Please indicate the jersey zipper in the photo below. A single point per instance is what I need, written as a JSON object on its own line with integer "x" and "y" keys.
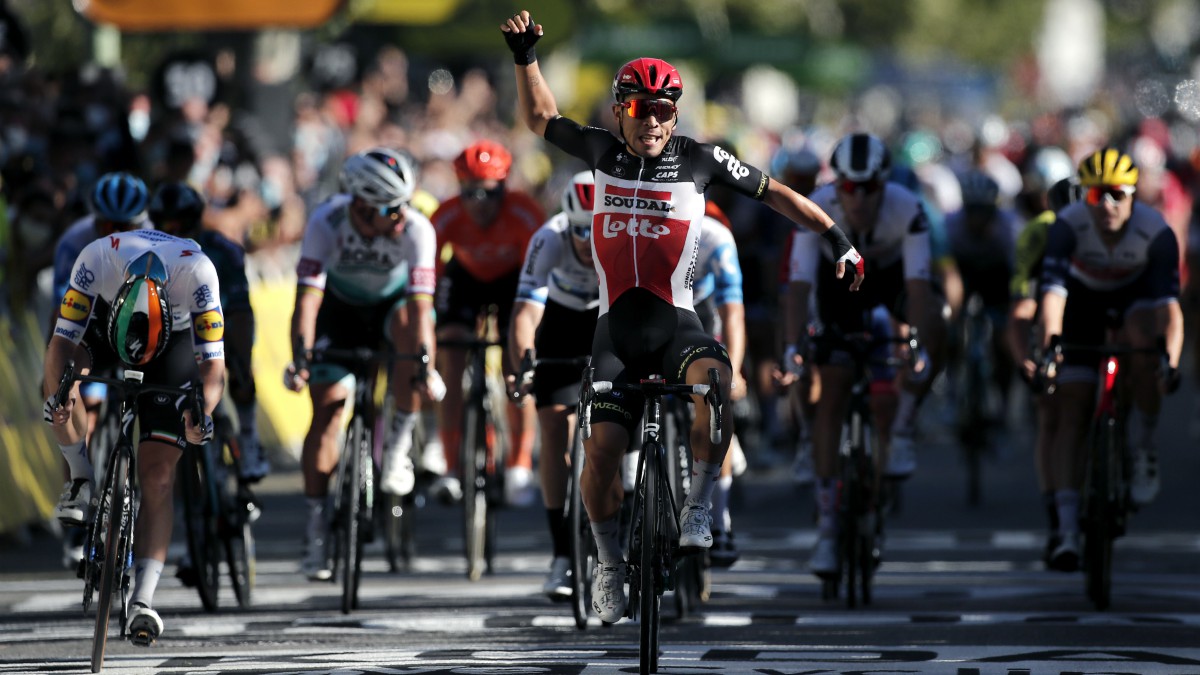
{"x": 633, "y": 223}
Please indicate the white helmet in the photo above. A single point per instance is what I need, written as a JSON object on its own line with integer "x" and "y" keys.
{"x": 380, "y": 176}
{"x": 578, "y": 198}
{"x": 861, "y": 157}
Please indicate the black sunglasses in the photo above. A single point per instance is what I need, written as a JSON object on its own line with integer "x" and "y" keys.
{"x": 581, "y": 231}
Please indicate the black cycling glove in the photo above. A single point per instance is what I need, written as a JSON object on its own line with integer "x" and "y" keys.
{"x": 521, "y": 44}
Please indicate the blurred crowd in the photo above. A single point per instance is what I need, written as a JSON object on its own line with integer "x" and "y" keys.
{"x": 59, "y": 131}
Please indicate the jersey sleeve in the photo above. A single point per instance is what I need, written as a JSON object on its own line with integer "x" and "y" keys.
{"x": 586, "y": 143}
{"x": 714, "y": 164}
{"x": 918, "y": 250}
{"x": 82, "y": 287}
{"x": 1031, "y": 245}
{"x": 1056, "y": 265}
{"x": 540, "y": 257}
{"x": 725, "y": 267}
{"x": 423, "y": 280}
{"x": 204, "y": 306}
{"x": 316, "y": 250}
{"x": 1162, "y": 267}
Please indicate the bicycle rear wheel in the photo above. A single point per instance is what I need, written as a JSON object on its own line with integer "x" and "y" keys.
{"x": 650, "y": 592}
{"x": 240, "y": 549}
{"x": 1099, "y": 514}
{"x": 350, "y": 539}
{"x": 115, "y": 506}
{"x": 200, "y": 521}
{"x": 850, "y": 538}
{"x": 583, "y": 544}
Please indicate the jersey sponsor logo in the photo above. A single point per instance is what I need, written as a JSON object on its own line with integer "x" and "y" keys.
{"x": 665, "y": 175}
{"x": 618, "y": 171}
{"x": 616, "y": 201}
{"x": 203, "y": 296}
{"x": 115, "y": 243}
{"x": 185, "y": 254}
{"x": 365, "y": 257}
{"x": 70, "y": 334}
{"x": 76, "y": 306}
{"x": 732, "y": 165}
{"x": 307, "y": 267}
{"x": 648, "y": 226}
{"x": 613, "y": 407}
{"x": 209, "y": 326}
{"x": 533, "y": 255}
{"x": 84, "y": 277}
{"x": 423, "y": 277}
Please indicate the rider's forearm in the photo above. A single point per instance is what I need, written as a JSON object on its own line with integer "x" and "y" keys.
{"x": 1020, "y": 323}
{"x": 523, "y": 330}
{"x": 733, "y": 328}
{"x": 57, "y": 353}
{"x": 1053, "y": 306}
{"x": 426, "y": 334}
{"x": 304, "y": 317}
{"x": 212, "y": 378}
{"x": 536, "y": 104}
{"x": 1173, "y": 332}
{"x": 795, "y": 312}
{"x": 796, "y": 207}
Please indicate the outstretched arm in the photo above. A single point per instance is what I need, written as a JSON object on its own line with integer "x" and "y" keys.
{"x": 535, "y": 101}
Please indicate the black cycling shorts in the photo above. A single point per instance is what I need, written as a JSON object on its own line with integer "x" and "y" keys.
{"x": 460, "y": 297}
{"x": 341, "y": 325}
{"x": 564, "y": 333}
{"x": 642, "y": 335}
{"x": 160, "y": 416}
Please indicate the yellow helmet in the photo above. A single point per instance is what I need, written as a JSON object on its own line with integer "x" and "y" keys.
{"x": 1108, "y": 166}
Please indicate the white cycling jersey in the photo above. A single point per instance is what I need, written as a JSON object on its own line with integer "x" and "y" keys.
{"x": 81, "y": 233}
{"x": 899, "y": 236}
{"x": 192, "y": 287}
{"x": 365, "y": 271}
{"x": 553, "y": 271}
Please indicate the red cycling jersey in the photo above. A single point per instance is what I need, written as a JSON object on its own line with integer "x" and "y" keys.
{"x": 489, "y": 252}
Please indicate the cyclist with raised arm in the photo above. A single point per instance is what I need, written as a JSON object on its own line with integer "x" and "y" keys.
{"x": 646, "y": 222}
{"x": 365, "y": 276}
{"x": 146, "y": 301}
{"x": 889, "y": 222}
{"x": 1111, "y": 262}
{"x": 488, "y": 227}
{"x": 177, "y": 208}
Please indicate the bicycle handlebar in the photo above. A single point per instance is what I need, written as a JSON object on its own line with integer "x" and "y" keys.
{"x": 529, "y": 363}
{"x": 1044, "y": 379}
{"x": 653, "y": 387}
{"x": 132, "y": 381}
{"x": 303, "y": 358}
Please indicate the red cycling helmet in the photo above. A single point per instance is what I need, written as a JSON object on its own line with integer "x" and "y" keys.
{"x": 483, "y": 160}
{"x": 647, "y": 76}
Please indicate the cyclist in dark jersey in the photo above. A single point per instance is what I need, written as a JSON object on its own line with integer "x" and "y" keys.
{"x": 649, "y": 205}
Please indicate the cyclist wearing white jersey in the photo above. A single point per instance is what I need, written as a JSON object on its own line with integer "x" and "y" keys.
{"x": 1111, "y": 263}
{"x": 646, "y": 222}
{"x": 366, "y": 274}
{"x": 132, "y": 301}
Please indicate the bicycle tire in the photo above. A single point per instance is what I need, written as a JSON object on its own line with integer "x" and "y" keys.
{"x": 199, "y": 518}
{"x": 118, "y": 519}
{"x": 1100, "y": 513}
{"x": 583, "y": 544}
{"x": 350, "y": 546}
{"x": 648, "y": 563}
{"x": 475, "y": 502}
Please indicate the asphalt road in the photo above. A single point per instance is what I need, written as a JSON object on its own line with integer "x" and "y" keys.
{"x": 961, "y": 591}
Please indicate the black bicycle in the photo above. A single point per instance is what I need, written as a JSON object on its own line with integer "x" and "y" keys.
{"x": 862, "y": 497}
{"x": 353, "y": 521}
{"x": 654, "y": 533}
{"x": 219, "y": 510}
{"x": 1106, "y": 504}
{"x": 107, "y": 562}
{"x": 583, "y": 544}
{"x": 692, "y": 575}
{"x": 482, "y": 454}
{"x": 975, "y": 379}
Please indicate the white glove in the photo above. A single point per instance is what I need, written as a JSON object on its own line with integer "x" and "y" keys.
{"x": 437, "y": 388}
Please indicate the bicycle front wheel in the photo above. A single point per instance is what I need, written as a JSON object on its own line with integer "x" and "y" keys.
{"x": 116, "y": 507}
{"x": 583, "y": 544}
{"x": 475, "y": 502}
{"x": 200, "y": 520}
{"x": 649, "y": 564}
{"x": 350, "y": 543}
{"x": 240, "y": 552}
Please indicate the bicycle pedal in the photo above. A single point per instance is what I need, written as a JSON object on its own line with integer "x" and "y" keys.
{"x": 142, "y": 637}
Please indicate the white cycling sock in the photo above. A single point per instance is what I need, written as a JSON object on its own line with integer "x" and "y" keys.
{"x": 720, "y": 504}
{"x": 146, "y": 572}
{"x": 1067, "y": 504}
{"x": 608, "y": 541}
{"x": 77, "y": 458}
{"x": 704, "y": 479}
{"x": 826, "y": 507}
{"x": 401, "y": 432}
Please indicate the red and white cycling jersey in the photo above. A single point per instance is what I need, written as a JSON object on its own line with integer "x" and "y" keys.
{"x": 648, "y": 211}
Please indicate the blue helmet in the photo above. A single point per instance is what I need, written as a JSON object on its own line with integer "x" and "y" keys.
{"x": 120, "y": 197}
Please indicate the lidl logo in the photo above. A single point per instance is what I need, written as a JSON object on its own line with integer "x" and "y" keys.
{"x": 209, "y": 326}
{"x": 76, "y": 306}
